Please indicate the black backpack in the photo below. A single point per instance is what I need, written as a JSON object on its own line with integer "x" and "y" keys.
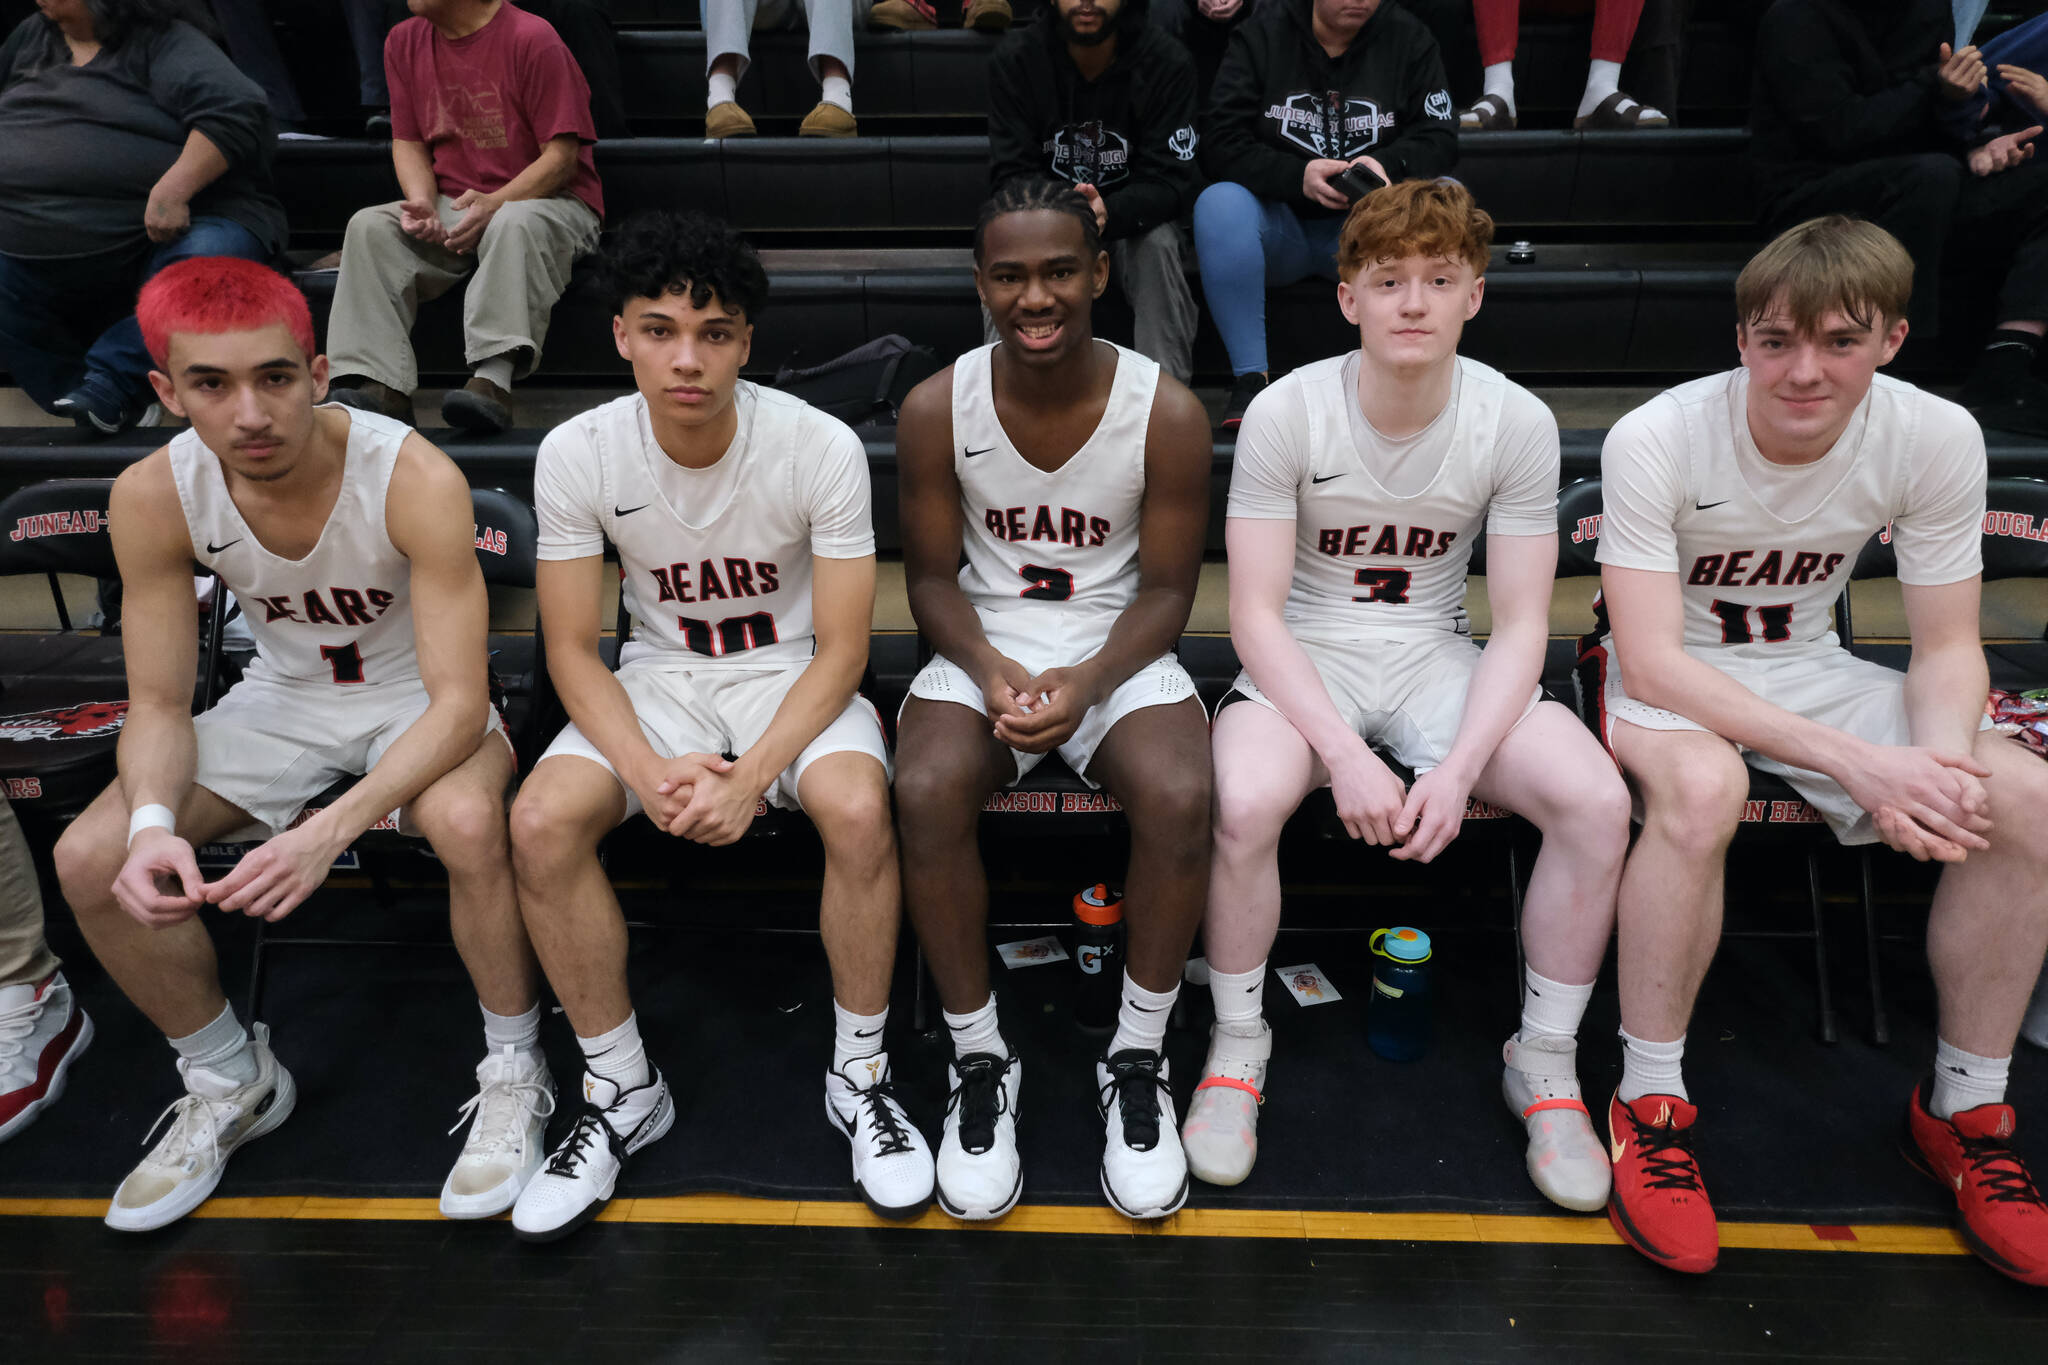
{"x": 867, "y": 384}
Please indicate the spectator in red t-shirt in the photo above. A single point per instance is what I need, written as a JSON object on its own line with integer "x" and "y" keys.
{"x": 491, "y": 137}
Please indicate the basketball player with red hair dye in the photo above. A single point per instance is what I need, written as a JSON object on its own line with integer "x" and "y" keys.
{"x": 347, "y": 539}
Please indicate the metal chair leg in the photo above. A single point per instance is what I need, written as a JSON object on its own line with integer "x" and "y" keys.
{"x": 1880, "y": 1024}
{"x": 253, "y": 1001}
{"x": 1515, "y": 909}
{"x": 1822, "y": 988}
{"x": 920, "y": 1001}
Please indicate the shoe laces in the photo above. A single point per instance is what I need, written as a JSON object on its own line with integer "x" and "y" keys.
{"x": 1135, "y": 1081}
{"x": 886, "y": 1117}
{"x": 501, "y": 1109}
{"x": 570, "y": 1156}
{"x": 2000, "y": 1172}
{"x": 1677, "y": 1172}
{"x": 194, "y": 1128}
{"x": 981, "y": 1097}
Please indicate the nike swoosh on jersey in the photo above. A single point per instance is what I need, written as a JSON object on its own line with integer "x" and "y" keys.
{"x": 214, "y": 549}
{"x": 1699, "y": 506}
{"x": 1325, "y": 478}
{"x": 970, "y": 454}
{"x": 619, "y": 511}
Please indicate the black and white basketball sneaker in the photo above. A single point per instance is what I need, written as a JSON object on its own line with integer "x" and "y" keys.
{"x": 892, "y": 1163}
{"x": 579, "y": 1178}
{"x": 1144, "y": 1170}
{"x": 979, "y": 1172}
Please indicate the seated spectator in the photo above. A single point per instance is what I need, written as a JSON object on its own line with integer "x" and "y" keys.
{"x": 1204, "y": 27}
{"x": 1602, "y": 108}
{"x": 127, "y": 141}
{"x": 490, "y": 137}
{"x": 1856, "y": 113}
{"x": 989, "y": 16}
{"x": 584, "y": 26}
{"x": 1101, "y": 98}
{"x": 1310, "y": 91}
{"x": 727, "y": 23}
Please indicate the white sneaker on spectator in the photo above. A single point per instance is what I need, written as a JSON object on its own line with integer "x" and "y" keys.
{"x": 1221, "y": 1135}
{"x": 579, "y": 1178}
{"x": 508, "y": 1120}
{"x": 892, "y": 1163}
{"x": 208, "y": 1123}
{"x": 979, "y": 1173}
{"x": 1144, "y": 1170}
{"x": 42, "y": 1032}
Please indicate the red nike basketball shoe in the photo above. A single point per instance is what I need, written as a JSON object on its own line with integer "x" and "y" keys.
{"x": 1659, "y": 1205}
{"x": 1997, "y": 1203}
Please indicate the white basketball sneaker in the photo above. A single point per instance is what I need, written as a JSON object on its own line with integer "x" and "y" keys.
{"x": 42, "y": 1032}
{"x": 1144, "y": 1171}
{"x": 579, "y": 1178}
{"x": 979, "y": 1172}
{"x": 1221, "y": 1135}
{"x": 892, "y": 1163}
{"x": 208, "y": 1122}
{"x": 508, "y": 1121}
{"x": 1566, "y": 1157}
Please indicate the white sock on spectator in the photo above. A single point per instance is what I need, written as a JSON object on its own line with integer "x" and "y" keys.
{"x": 838, "y": 90}
{"x": 1963, "y": 1080}
{"x": 723, "y": 89}
{"x": 498, "y": 370}
{"x": 977, "y": 1031}
{"x": 1500, "y": 81}
{"x": 521, "y": 1032}
{"x": 617, "y": 1055}
{"x": 222, "y": 1047}
{"x": 1651, "y": 1068}
{"x": 1602, "y": 80}
{"x": 1238, "y": 997}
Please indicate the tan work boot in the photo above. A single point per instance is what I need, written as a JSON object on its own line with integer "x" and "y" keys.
{"x": 478, "y": 406}
{"x": 828, "y": 120}
{"x": 988, "y": 16}
{"x": 728, "y": 120}
{"x": 371, "y": 396}
{"x": 903, "y": 14}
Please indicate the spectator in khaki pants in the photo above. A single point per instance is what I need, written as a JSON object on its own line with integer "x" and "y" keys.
{"x": 491, "y": 138}
{"x": 42, "y": 1029}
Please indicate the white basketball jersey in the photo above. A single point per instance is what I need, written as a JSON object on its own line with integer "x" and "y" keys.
{"x": 1070, "y": 537}
{"x": 342, "y": 616}
{"x": 1367, "y": 562}
{"x": 727, "y": 583}
{"x": 1751, "y": 573}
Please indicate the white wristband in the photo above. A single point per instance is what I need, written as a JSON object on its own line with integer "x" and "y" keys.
{"x": 151, "y": 817}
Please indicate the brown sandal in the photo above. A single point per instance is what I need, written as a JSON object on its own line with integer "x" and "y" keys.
{"x": 1618, "y": 113}
{"x": 1488, "y": 114}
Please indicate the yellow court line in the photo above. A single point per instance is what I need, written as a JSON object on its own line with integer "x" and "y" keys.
{"x": 1086, "y": 1220}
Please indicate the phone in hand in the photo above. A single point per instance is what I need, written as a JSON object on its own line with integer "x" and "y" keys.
{"x": 1355, "y": 182}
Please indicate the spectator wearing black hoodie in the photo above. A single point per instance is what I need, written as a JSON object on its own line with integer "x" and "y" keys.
{"x": 1308, "y": 90}
{"x": 1863, "y": 109}
{"x": 1103, "y": 99}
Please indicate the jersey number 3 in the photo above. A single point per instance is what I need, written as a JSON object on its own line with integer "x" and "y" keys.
{"x": 1734, "y": 616}
{"x": 1047, "y": 585}
{"x": 1382, "y": 585}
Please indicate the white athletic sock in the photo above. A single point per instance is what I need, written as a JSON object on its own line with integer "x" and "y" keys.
{"x": 1500, "y": 81}
{"x": 520, "y": 1032}
{"x": 1239, "y": 998}
{"x": 977, "y": 1031}
{"x": 498, "y": 369}
{"x": 838, "y": 90}
{"x": 1963, "y": 1080}
{"x": 1141, "y": 1023}
{"x": 618, "y": 1055}
{"x": 855, "y": 1037}
{"x": 1651, "y": 1068}
{"x": 222, "y": 1047}
{"x": 1551, "y": 1008}
{"x": 723, "y": 89}
{"x": 1602, "y": 80}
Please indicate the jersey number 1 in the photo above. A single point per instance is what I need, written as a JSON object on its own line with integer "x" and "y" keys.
{"x": 1776, "y": 621}
{"x": 346, "y": 661}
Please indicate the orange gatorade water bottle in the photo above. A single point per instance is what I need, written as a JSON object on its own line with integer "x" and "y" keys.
{"x": 1099, "y": 953}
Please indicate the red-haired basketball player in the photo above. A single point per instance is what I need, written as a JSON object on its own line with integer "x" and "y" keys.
{"x": 348, "y": 540}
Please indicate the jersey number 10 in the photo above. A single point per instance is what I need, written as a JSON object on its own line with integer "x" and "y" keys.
{"x": 733, "y": 635}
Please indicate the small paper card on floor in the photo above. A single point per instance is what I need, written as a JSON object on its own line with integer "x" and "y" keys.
{"x": 1030, "y": 952}
{"x": 1308, "y": 984}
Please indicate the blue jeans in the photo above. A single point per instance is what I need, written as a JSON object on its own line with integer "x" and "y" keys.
{"x": 1244, "y": 244}
{"x": 70, "y": 324}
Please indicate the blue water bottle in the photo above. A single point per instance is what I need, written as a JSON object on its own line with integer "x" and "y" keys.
{"x": 1397, "y": 1024}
